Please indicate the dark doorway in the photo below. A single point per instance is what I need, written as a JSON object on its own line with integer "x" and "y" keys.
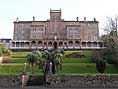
{"x": 55, "y": 45}
{"x": 36, "y": 80}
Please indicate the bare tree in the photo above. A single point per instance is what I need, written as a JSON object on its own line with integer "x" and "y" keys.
{"x": 111, "y": 26}
{"x": 110, "y": 53}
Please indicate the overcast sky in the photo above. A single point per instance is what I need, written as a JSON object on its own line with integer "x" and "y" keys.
{"x": 26, "y": 9}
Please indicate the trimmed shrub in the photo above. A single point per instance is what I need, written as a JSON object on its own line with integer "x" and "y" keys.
{"x": 100, "y": 66}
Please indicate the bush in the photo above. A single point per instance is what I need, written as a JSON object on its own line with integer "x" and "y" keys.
{"x": 5, "y": 53}
{"x": 0, "y": 52}
{"x": 100, "y": 62}
{"x": 100, "y": 65}
{"x": 6, "y": 59}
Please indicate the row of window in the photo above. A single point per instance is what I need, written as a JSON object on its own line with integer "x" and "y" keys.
{"x": 77, "y": 36}
{"x": 73, "y": 29}
{"x": 22, "y": 37}
{"x": 38, "y": 30}
{"x": 37, "y": 36}
{"x": 26, "y": 31}
{"x": 73, "y": 36}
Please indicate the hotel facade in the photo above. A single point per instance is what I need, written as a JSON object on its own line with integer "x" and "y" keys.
{"x": 65, "y": 34}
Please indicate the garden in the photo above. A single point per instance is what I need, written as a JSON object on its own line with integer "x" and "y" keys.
{"x": 74, "y": 62}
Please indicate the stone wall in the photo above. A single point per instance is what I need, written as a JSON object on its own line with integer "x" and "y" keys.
{"x": 82, "y": 81}
{"x": 21, "y": 80}
{"x": 10, "y": 80}
{"x": 85, "y": 81}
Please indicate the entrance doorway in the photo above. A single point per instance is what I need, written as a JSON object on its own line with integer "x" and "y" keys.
{"x": 55, "y": 45}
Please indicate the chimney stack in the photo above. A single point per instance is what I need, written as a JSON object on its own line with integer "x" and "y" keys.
{"x": 77, "y": 19}
{"x": 33, "y": 18}
{"x": 84, "y": 18}
{"x": 17, "y": 19}
{"x": 94, "y": 19}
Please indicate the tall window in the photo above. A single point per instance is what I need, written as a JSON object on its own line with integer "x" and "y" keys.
{"x": 89, "y": 36}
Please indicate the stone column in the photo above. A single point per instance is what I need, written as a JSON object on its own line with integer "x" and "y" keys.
{"x": 15, "y": 44}
{"x": 74, "y": 44}
{"x": 36, "y": 44}
{"x": 80, "y": 43}
{"x": 91, "y": 44}
{"x": 42, "y": 44}
{"x": 25, "y": 79}
{"x": 97, "y": 44}
{"x": 30, "y": 44}
{"x": 86, "y": 44}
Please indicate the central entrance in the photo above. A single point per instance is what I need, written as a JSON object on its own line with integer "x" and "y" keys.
{"x": 55, "y": 45}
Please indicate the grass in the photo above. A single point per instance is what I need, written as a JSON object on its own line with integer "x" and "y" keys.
{"x": 86, "y": 68}
{"x": 70, "y": 65}
{"x": 78, "y": 68}
{"x": 11, "y": 68}
{"x": 86, "y": 59}
{"x": 19, "y": 54}
{"x": 16, "y": 68}
{"x": 77, "y": 60}
{"x": 19, "y": 60}
{"x": 68, "y": 68}
{"x": 19, "y": 57}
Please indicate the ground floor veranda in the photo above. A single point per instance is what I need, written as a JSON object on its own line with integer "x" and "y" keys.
{"x": 61, "y": 44}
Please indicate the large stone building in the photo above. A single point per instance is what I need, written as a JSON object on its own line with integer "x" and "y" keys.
{"x": 66, "y": 34}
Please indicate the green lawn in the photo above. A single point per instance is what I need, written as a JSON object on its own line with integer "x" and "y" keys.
{"x": 86, "y": 68}
{"x": 68, "y": 68}
{"x": 77, "y": 60}
{"x": 19, "y": 60}
{"x": 86, "y": 59}
{"x": 11, "y": 68}
{"x": 16, "y": 68}
{"x": 20, "y": 57}
{"x": 19, "y": 54}
{"x": 70, "y": 65}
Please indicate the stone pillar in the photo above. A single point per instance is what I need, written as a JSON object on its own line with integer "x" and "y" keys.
{"x": 57, "y": 44}
{"x": 91, "y": 44}
{"x": 42, "y": 44}
{"x": 80, "y": 44}
{"x": 67, "y": 44}
{"x": 97, "y": 44}
{"x": 25, "y": 75}
{"x": 63, "y": 44}
{"x": 74, "y": 44}
{"x": 30, "y": 44}
{"x": 15, "y": 44}
{"x": 86, "y": 44}
{"x": 25, "y": 79}
{"x": 36, "y": 44}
